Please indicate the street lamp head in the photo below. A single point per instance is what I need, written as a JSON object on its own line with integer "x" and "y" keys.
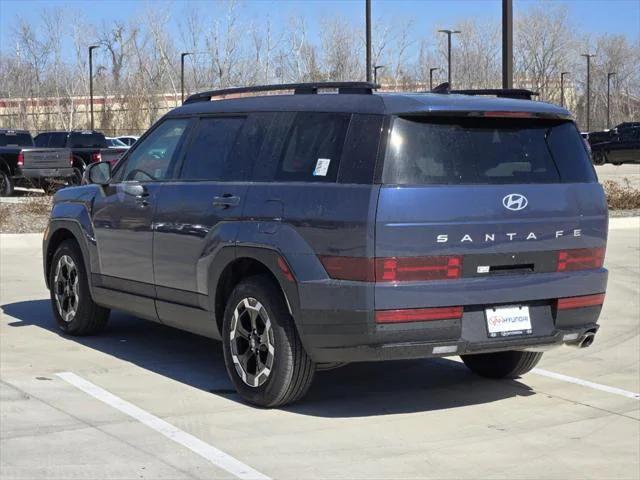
{"x": 433, "y": 69}
{"x": 565, "y": 73}
{"x": 93, "y": 47}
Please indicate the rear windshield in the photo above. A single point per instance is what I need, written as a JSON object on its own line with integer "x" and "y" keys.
{"x": 52, "y": 140}
{"x": 87, "y": 140}
{"x": 18, "y": 139}
{"x": 485, "y": 151}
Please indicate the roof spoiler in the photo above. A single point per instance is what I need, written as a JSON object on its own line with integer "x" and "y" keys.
{"x": 516, "y": 93}
{"x": 298, "y": 89}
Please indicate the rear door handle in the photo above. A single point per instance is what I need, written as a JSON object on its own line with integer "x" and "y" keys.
{"x": 226, "y": 201}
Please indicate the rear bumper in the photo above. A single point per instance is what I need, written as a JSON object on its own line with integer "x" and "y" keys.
{"x": 347, "y": 331}
{"x": 46, "y": 172}
{"x": 460, "y": 346}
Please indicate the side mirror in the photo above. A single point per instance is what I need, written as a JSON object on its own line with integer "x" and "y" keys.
{"x": 98, "y": 173}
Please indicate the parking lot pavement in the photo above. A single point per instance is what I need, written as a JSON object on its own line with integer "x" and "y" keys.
{"x": 409, "y": 419}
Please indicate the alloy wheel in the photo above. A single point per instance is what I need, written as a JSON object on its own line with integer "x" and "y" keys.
{"x": 252, "y": 342}
{"x": 65, "y": 284}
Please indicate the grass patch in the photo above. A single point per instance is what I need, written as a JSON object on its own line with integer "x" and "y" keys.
{"x": 621, "y": 195}
{"x": 29, "y": 216}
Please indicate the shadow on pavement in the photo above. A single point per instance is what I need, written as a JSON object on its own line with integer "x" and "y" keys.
{"x": 356, "y": 390}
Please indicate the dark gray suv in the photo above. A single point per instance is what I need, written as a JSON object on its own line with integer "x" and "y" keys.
{"x": 308, "y": 230}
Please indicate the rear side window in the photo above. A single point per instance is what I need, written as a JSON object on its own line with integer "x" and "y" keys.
{"x": 18, "y": 139}
{"x": 485, "y": 151}
{"x": 210, "y": 154}
{"x": 313, "y": 148}
{"x": 87, "y": 140}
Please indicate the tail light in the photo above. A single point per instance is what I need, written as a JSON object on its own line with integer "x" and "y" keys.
{"x": 71, "y": 159}
{"x": 412, "y": 269}
{"x": 418, "y": 314}
{"x": 96, "y": 157}
{"x": 393, "y": 269}
{"x": 580, "y": 302}
{"x": 580, "y": 259}
{"x": 21, "y": 159}
{"x": 493, "y": 114}
{"x": 358, "y": 269}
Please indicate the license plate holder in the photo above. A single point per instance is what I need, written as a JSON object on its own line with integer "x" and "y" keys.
{"x": 508, "y": 321}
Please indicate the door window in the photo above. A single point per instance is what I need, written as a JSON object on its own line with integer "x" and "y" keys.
{"x": 210, "y": 155}
{"x": 151, "y": 160}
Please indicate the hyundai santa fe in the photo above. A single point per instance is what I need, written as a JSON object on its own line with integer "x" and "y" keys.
{"x": 322, "y": 224}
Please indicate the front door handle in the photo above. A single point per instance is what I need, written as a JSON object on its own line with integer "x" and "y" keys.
{"x": 226, "y": 201}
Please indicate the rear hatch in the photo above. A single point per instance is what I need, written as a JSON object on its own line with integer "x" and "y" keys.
{"x": 484, "y": 209}
{"x": 47, "y": 159}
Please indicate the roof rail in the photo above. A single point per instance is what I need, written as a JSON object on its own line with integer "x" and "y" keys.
{"x": 517, "y": 93}
{"x": 298, "y": 89}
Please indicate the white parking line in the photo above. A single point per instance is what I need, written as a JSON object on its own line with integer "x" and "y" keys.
{"x": 206, "y": 451}
{"x": 586, "y": 383}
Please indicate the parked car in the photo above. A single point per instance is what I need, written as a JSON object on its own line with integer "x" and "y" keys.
{"x": 310, "y": 230}
{"x": 23, "y": 165}
{"x": 116, "y": 143}
{"x": 621, "y": 146}
{"x": 128, "y": 139}
{"x": 86, "y": 146}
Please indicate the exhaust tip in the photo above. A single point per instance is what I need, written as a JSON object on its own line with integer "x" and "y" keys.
{"x": 587, "y": 339}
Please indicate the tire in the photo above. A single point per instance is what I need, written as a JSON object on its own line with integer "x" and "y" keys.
{"x": 510, "y": 364}
{"x": 6, "y": 184}
{"x": 599, "y": 158}
{"x": 285, "y": 371}
{"x": 81, "y": 315}
{"x": 76, "y": 179}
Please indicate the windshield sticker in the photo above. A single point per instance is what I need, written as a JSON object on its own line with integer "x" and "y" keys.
{"x": 322, "y": 167}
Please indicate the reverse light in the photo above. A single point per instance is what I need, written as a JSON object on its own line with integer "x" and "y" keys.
{"x": 418, "y": 314}
{"x": 20, "y": 161}
{"x": 580, "y": 259}
{"x": 580, "y": 302}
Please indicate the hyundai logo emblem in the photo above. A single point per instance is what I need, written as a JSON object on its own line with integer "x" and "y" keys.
{"x": 515, "y": 202}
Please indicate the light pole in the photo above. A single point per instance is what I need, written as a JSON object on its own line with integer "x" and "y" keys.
{"x": 182, "y": 55}
{"x": 449, "y": 33}
{"x": 368, "y": 37}
{"x": 431, "y": 70}
{"x": 507, "y": 44}
{"x": 562, "y": 75}
{"x": 375, "y": 73}
{"x": 588, "y": 57}
{"x": 609, "y": 75}
{"x": 91, "y": 49}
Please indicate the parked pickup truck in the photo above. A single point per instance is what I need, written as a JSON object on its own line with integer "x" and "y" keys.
{"x": 86, "y": 146}
{"x": 23, "y": 165}
{"x": 621, "y": 146}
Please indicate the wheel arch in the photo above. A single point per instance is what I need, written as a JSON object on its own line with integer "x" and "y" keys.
{"x": 58, "y": 232}
{"x": 250, "y": 261}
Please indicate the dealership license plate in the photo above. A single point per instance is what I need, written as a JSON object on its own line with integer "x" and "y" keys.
{"x": 508, "y": 321}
